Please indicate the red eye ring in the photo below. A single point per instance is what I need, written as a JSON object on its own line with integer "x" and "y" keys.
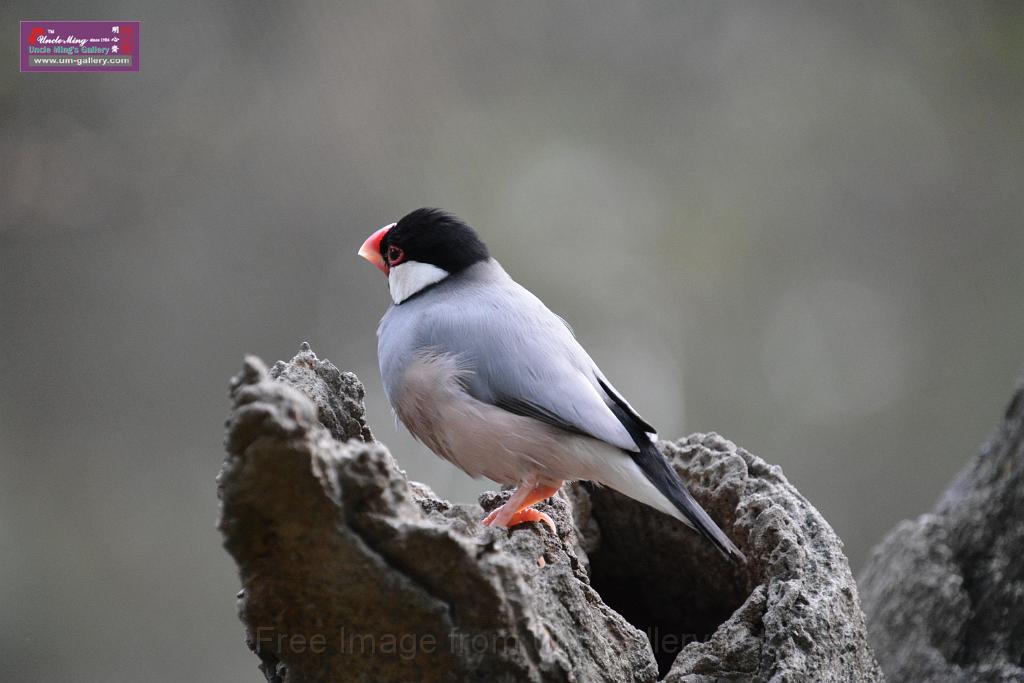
{"x": 395, "y": 255}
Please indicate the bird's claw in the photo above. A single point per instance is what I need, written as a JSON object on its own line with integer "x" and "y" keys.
{"x": 521, "y": 517}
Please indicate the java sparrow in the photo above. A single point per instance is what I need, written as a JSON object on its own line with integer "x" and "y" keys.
{"x": 479, "y": 370}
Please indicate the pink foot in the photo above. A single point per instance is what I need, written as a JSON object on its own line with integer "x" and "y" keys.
{"x": 489, "y": 519}
{"x": 522, "y": 517}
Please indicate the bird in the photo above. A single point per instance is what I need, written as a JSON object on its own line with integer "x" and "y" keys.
{"x": 480, "y": 371}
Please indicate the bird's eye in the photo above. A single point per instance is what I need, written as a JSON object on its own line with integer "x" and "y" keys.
{"x": 395, "y": 255}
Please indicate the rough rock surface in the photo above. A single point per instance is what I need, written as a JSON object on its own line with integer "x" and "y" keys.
{"x": 338, "y": 396}
{"x": 945, "y": 592}
{"x": 350, "y": 572}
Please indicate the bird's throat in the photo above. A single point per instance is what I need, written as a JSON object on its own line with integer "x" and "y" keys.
{"x": 411, "y": 277}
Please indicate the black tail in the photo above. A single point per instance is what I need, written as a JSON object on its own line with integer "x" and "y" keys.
{"x": 665, "y": 479}
{"x": 657, "y": 470}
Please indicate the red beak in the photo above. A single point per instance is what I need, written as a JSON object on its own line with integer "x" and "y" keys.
{"x": 371, "y": 248}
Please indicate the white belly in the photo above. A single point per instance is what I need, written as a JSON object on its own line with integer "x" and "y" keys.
{"x": 481, "y": 439}
{"x": 487, "y": 441}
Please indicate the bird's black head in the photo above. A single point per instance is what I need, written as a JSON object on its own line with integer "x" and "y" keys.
{"x": 432, "y": 236}
{"x": 422, "y": 249}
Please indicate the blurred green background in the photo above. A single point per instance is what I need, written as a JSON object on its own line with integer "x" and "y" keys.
{"x": 798, "y": 225}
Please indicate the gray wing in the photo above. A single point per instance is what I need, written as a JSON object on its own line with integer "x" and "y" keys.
{"x": 525, "y": 359}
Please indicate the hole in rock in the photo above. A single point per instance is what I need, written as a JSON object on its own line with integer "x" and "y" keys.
{"x": 660, "y": 575}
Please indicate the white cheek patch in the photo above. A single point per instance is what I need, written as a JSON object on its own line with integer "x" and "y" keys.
{"x": 407, "y": 278}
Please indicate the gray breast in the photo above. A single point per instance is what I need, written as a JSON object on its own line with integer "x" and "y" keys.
{"x": 514, "y": 350}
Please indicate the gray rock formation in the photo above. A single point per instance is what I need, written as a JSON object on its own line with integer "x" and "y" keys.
{"x": 338, "y": 396}
{"x": 350, "y": 572}
{"x": 945, "y": 592}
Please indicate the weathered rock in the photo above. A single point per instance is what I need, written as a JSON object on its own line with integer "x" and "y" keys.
{"x": 945, "y": 592}
{"x": 791, "y": 613}
{"x": 338, "y": 396}
{"x": 350, "y": 572}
